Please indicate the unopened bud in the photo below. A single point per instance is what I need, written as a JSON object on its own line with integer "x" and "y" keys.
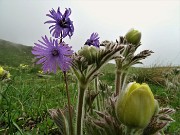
{"x": 133, "y": 36}
{"x": 136, "y": 105}
{"x": 89, "y": 52}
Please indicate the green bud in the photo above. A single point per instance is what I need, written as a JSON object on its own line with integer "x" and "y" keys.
{"x": 136, "y": 105}
{"x": 89, "y": 52}
{"x": 156, "y": 107}
{"x": 133, "y": 36}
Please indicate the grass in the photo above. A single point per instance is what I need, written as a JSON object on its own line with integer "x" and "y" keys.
{"x": 27, "y": 98}
{"x": 169, "y": 99}
{"x": 12, "y": 54}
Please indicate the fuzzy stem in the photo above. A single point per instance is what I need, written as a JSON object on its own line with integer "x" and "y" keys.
{"x": 80, "y": 109}
{"x": 69, "y": 104}
{"x": 118, "y": 82}
{"x": 123, "y": 79}
{"x": 96, "y": 89}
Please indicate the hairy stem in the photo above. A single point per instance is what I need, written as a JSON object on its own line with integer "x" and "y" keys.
{"x": 69, "y": 104}
{"x": 80, "y": 109}
{"x": 118, "y": 82}
{"x": 96, "y": 89}
{"x": 123, "y": 79}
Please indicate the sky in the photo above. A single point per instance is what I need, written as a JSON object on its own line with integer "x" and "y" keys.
{"x": 22, "y": 21}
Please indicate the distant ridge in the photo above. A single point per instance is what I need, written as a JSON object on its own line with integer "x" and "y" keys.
{"x": 12, "y": 54}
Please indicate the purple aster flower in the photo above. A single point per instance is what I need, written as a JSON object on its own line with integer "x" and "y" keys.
{"x": 61, "y": 23}
{"x": 94, "y": 40}
{"x": 53, "y": 55}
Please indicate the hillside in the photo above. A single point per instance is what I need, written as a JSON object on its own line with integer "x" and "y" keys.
{"x": 12, "y": 54}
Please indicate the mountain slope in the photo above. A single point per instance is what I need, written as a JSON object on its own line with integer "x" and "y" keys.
{"x": 12, "y": 54}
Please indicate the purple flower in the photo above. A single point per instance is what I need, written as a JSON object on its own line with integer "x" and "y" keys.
{"x": 61, "y": 23}
{"x": 53, "y": 55}
{"x": 94, "y": 40}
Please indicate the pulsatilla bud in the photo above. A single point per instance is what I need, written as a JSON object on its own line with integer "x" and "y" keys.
{"x": 89, "y": 52}
{"x": 136, "y": 105}
{"x": 133, "y": 36}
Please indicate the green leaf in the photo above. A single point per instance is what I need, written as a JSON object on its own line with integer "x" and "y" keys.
{"x": 19, "y": 129}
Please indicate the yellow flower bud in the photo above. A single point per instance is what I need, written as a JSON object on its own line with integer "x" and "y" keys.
{"x": 136, "y": 105}
{"x": 133, "y": 36}
{"x": 1, "y": 71}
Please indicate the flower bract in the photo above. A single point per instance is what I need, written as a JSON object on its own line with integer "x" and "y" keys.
{"x": 62, "y": 24}
{"x": 52, "y": 54}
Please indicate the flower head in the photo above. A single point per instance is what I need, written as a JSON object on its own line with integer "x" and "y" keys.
{"x": 94, "y": 40}
{"x": 136, "y": 105}
{"x": 62, "y": 24}
{"x": 53, "y": 55}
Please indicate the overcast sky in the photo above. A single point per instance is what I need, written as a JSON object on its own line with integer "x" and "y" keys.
{"x": 22, "y": 21}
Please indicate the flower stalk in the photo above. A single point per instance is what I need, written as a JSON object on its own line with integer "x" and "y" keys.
{"x": 120, "y": 77}
{"x": 80, "y": 108}
{"x": 69, "y": 104}
{"x": 96, "y": 89}
{"x": 118, "y": 82}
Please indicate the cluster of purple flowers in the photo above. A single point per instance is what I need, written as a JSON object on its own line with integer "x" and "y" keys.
{"x": 53, "y": 54}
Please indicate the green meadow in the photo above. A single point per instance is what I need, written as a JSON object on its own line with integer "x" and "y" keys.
{"x": 26, "y": 98}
